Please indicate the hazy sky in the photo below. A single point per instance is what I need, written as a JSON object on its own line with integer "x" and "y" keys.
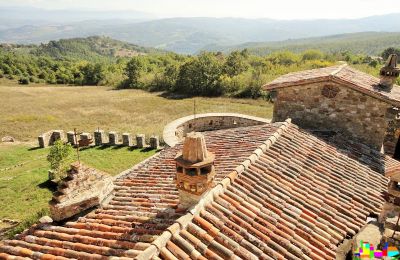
{"x": 278, "y": 9}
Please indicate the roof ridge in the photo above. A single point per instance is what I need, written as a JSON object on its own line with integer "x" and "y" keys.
{"x": 339, "y": 69}
{"x": 161, "y": 241}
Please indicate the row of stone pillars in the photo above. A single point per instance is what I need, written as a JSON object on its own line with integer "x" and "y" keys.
{"x": 100, "y": 138}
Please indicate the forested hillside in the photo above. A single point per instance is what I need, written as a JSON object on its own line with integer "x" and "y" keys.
{"x": 367, "y": 43}
{"x": 93, "y": 61}
{"x": 187, "y": 35}
{"x": 90, "y": 48}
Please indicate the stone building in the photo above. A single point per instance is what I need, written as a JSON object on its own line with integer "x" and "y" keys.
{"x": 342, "y": 100}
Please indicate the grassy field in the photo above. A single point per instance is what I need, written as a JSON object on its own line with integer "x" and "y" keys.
{"x": 24, "y": 189}
{"x": 27, "y": 111}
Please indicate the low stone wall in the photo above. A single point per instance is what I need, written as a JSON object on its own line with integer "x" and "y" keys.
{"x": 177, "y": 130}
{"x": 99, "y": 138}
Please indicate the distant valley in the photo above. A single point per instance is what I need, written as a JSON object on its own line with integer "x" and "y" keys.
{"x": 191, "y": 35}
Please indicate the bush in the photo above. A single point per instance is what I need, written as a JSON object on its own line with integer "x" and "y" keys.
{"x": 23, "y": 81}
{"x": 60, "y": 158}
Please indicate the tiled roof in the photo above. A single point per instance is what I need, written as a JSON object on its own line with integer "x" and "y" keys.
{"x": 342, "y": 74}
{"x": 280, "y": 192}
{"x": 296, "y": 197}
{"x": 144, "y": 205}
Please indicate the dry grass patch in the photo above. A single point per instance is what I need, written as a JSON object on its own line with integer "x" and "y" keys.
{"x": 28, "y": 111}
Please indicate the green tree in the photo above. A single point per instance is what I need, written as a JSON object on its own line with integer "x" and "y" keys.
{"x": 133, "y": 71}
{"x": 59, "y": 157}
{"x": 235, "y": 64}
{"x": 386, "y": 53}
{"x": 200, "y": 76}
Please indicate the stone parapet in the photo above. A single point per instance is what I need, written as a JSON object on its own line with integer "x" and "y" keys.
{"x": 177, "y": 130}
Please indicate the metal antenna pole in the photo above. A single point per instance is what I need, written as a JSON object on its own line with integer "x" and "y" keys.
{"x": 77, "y": 146}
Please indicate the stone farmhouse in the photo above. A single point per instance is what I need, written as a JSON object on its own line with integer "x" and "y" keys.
{"x": 249, "y": 189}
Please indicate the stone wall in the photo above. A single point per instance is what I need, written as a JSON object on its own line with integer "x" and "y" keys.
{"x": 83, "y": 188}
{"x": 332, "y": 107}
{"x": 392, "y": 130}
{"x": 176, "y": 130}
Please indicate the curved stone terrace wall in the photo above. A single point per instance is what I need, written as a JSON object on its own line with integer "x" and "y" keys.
{"x": 177, "y": 130}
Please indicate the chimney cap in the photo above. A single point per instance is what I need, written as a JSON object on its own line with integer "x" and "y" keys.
{"x": 194, "y": 148}
{"x": 390, "y": 66}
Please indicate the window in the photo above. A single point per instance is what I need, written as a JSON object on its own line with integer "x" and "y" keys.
{"x": 179, "y": 169}
{"x": 191, "y": 172}
{"x": 330, "y": 91}
{"x": 205, "y": 170}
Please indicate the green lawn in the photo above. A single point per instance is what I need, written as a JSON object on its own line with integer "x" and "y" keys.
{"x": 24, "y": 190}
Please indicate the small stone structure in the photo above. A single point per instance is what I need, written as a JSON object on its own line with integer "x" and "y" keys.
{"x": 113, "y": 138}
{"x": 154, "y": 142}
{"x": 85, "y": 136}
{"x": 83, "y": 188}
{"x": 71, "y": 137}
{"x": 99, "y": 137}
{"x": 175, "y": 131}
{"x": 50, "y": 137}
{"x": 195, "y": 170}
{"x": 140, "y": 141}
{"x": 8, "y": 139}
{"x": 343, "y": 100}
{"x": 126, "y": 139}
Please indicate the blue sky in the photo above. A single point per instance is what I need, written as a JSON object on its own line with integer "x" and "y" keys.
{"x": 281, "y": 9}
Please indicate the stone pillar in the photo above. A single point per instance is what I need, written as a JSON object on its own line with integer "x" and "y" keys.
{"x": 70, "y": 137}
{"x": 42, "y": 141}
{"x": 126, "y": 139}
{"x": 113, "y": 138}
{"x": 99, "y": 137}
{"x": 154, "y": 142}
{"x": 85, "y": 136}
{"x": 56, "y": 135}
{"x": 140, "y": 140}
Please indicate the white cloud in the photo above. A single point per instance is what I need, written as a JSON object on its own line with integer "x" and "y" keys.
{"x": 281, "y": 9}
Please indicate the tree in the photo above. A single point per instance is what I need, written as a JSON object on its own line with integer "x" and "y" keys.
{"x": 235, "y": 64}
{"x": 386, "y": 53}
{"x": 133, "y": 71}
{"x": 92, "y": 73}
{"x": 200, "y": 76}
{"x": 59, "y": 157}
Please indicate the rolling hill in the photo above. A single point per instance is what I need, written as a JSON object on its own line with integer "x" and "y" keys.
{"x": 188, "y": 35}
{"x": 369, "y": 43}
{"x": 89, "y": 48}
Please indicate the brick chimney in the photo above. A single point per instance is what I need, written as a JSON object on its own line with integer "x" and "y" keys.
{"x": 389, "y": 73}
{"x": 195, "y": 170}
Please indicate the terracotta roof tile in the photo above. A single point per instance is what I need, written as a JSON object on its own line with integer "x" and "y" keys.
{"x": 144, "y": 205}
{"x": 292, "y": 205}
{"x": 343, "y": 74}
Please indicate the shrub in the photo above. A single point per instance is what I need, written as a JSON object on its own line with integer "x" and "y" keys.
{"x": 23, "y": 81}
{"x": 59, "y": 157}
